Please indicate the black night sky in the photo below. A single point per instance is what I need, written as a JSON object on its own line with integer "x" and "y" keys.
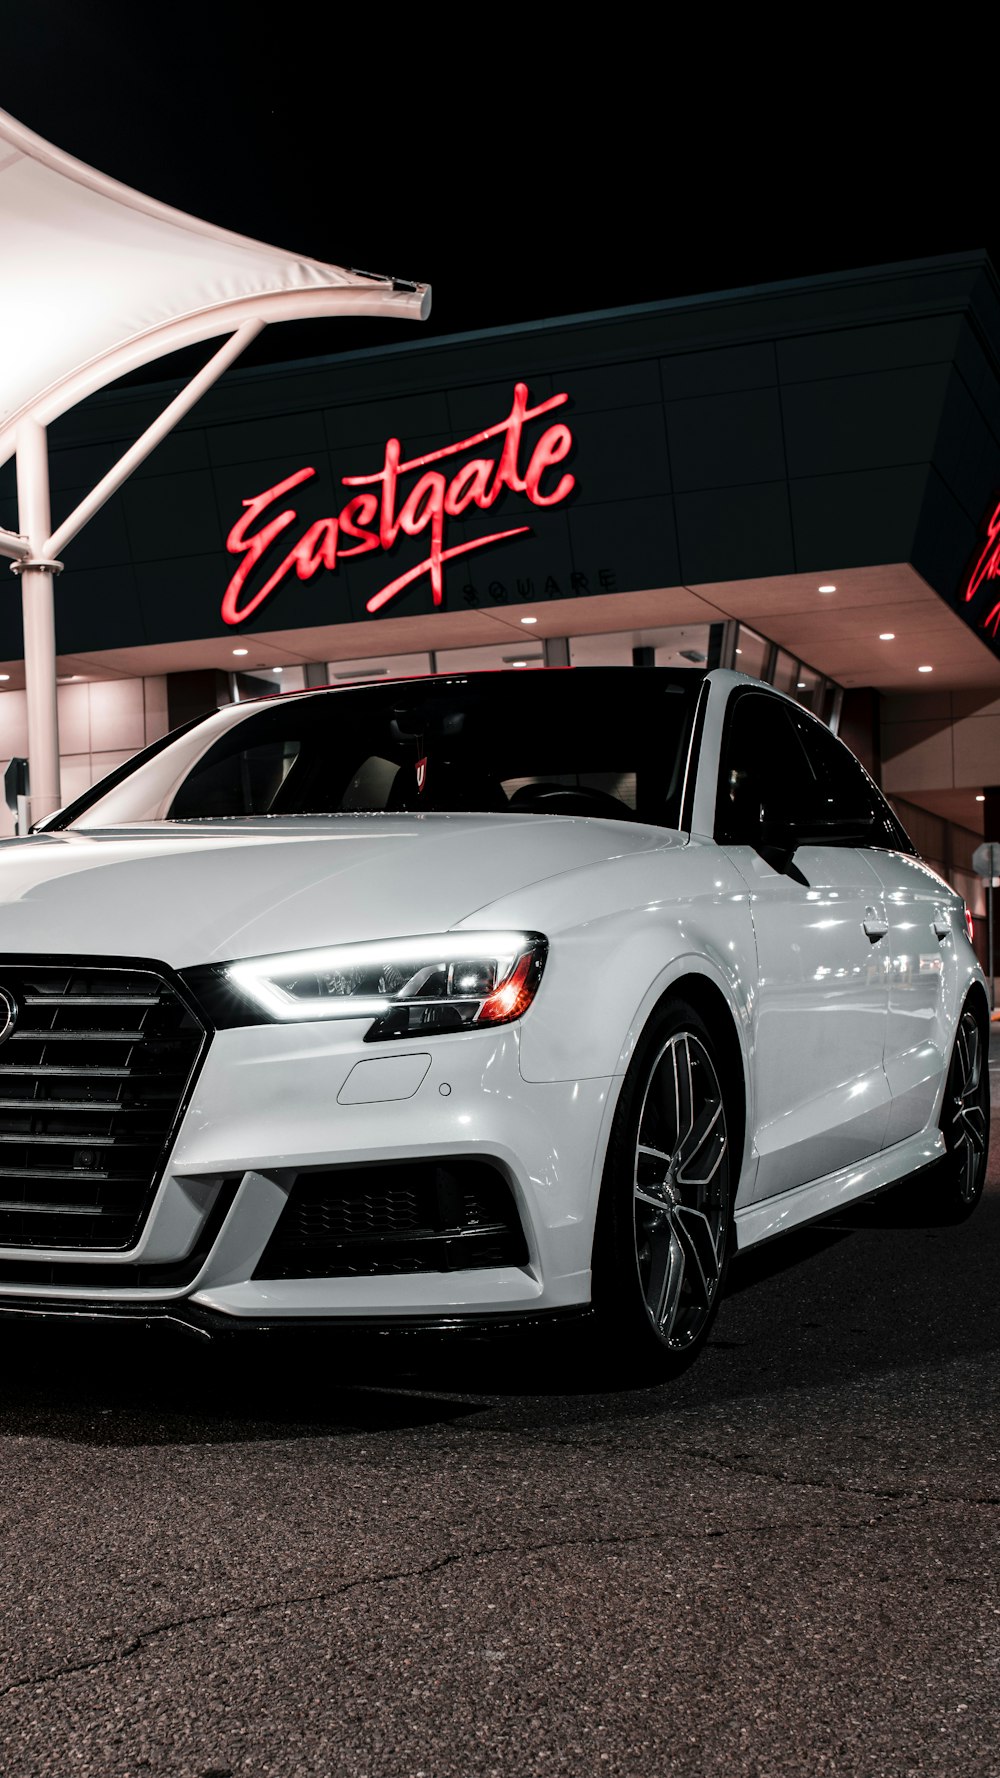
{"x": 525, "y": 164}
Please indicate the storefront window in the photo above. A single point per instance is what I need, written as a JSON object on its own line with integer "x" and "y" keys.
{"x": 809, "y": 688}
{"x": 681, "y": 645}
{"x": 786, "y": 673}
{"x": 491, "y": 660}
{"x": 751, "y": 652}
{"x": 681, "y": 648}
{"x": 612, "y": 650}
{"x": 379, "y": 666}
{"x": 832, "y": 695}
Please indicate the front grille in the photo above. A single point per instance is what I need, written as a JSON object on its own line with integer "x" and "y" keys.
{"x": 94, "y": 1073}
{"x": 406, "y": 1216}
{"x": 142, "y": 1274}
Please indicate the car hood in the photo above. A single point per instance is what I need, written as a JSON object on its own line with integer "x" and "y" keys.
{"x": 215, "y": 891}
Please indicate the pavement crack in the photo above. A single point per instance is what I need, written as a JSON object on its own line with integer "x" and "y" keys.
{"x": 143, "y": 1638}
{"x": 916, "y": 1494}
{"x": 923, "y": 1496}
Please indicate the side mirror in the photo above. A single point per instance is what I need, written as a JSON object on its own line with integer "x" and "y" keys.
{"x": 776, "y": 841}
{"x": 779, "y": 837}
{"x": 777, "y": 830}
{"x": 845, "y": 830}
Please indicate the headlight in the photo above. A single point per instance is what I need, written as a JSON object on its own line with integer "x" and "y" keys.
{"x": 408, "y": 987}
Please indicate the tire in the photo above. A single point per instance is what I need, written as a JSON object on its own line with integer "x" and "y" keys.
{"x": 965, "y": 1123}
{"x": 664, "y": 1222}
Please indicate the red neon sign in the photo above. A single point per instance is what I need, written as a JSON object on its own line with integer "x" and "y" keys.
{"x": 987, "y": 568}
{"x": 371, "y": 519}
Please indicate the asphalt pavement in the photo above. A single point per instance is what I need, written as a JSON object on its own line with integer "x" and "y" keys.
{"x": 296, "y": 1559}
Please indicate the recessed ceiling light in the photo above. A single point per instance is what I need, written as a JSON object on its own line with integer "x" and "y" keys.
{"x": 4, "y": 675}
{"x": 739, "y": 651}
{"x": 241, "y": 651}
{"x": 519, "y": 663}
{"x": 828, "y": 588}
{"x": 277, "y": 669}
{"x": 980, "y": 798}
{"x": 800, "y": 685}
{"x": 925, "y": 669}
{"x": 529, "y": 620}
{"x": 887, "y": 636}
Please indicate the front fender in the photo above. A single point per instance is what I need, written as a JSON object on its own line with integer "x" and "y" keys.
{"x": 618, "y": 937}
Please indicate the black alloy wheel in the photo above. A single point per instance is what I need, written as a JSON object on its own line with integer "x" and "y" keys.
{"x": 665, "y": 1219}
{"x": 965, "y": 1121}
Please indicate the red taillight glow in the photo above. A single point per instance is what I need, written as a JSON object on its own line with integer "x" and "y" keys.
{"x": 514, "y": 996}
{"x": 970, "y": 926}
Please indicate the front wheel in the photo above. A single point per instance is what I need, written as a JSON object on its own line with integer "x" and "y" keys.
{"x": 665, "y": 1217}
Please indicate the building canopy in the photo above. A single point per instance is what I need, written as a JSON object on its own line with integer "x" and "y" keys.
{"x": 97, "y": 279}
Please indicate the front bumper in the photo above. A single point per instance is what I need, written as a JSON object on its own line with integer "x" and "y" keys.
{"x": 272, "y": 1102}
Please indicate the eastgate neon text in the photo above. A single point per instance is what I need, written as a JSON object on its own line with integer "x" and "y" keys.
{"x": 987, "y": 568}
{"x": 375, "y": 519}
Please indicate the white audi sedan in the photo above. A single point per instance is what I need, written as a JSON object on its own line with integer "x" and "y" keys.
{"x": 469, "y": 1001}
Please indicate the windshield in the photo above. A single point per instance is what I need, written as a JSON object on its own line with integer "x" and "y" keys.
{"x": 603, "y": 741}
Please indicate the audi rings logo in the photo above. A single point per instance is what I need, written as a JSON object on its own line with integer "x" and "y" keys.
{"x": 8, "y": 1014}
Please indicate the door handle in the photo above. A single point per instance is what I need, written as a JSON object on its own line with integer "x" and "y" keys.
{"x": 941, "y": 923}
{"x": 875, "y": 924}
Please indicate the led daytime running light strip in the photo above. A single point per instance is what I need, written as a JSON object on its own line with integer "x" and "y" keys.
{"x": 260, "y": 979}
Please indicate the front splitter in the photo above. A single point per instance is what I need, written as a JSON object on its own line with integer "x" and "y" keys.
{"x": 210, "y": 1324}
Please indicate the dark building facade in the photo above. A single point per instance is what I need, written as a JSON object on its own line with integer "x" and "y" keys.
{"x": 798, "y": 479}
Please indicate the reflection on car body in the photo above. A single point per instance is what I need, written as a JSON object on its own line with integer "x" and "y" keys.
{"x": 472, "y": 1000}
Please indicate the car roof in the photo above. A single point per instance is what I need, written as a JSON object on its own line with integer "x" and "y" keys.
{"x": 692, "y": 673}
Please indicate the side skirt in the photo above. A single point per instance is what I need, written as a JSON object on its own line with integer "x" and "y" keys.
{"x": 773, "y": 1216}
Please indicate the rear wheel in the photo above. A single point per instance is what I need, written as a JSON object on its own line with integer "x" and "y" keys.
{"x": 664, "y": 1224}
{"x": 965, "y": 1122}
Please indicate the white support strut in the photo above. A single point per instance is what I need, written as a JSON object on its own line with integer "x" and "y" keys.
{"x": 15, "y": 546}
{"x": 153, "y": 435}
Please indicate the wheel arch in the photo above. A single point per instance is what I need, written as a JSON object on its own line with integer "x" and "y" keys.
{"x": 978, "y": 1001}
{"x": 708, "y": 992}
{"x": 710, "y": 1003}
{"x": 689, "y": 990}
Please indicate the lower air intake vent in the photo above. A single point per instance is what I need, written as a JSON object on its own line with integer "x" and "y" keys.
{"x": 95, "y": 1067}
{"x": 410, "y": 1216}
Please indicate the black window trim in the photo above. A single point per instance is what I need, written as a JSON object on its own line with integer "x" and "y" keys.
{"x": 903, "y": 844}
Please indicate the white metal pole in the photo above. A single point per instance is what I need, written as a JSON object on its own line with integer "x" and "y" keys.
{"x": 38, "y": 605}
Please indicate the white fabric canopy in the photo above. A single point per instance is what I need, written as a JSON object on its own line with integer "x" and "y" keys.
{"x": 96, "y": 279}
